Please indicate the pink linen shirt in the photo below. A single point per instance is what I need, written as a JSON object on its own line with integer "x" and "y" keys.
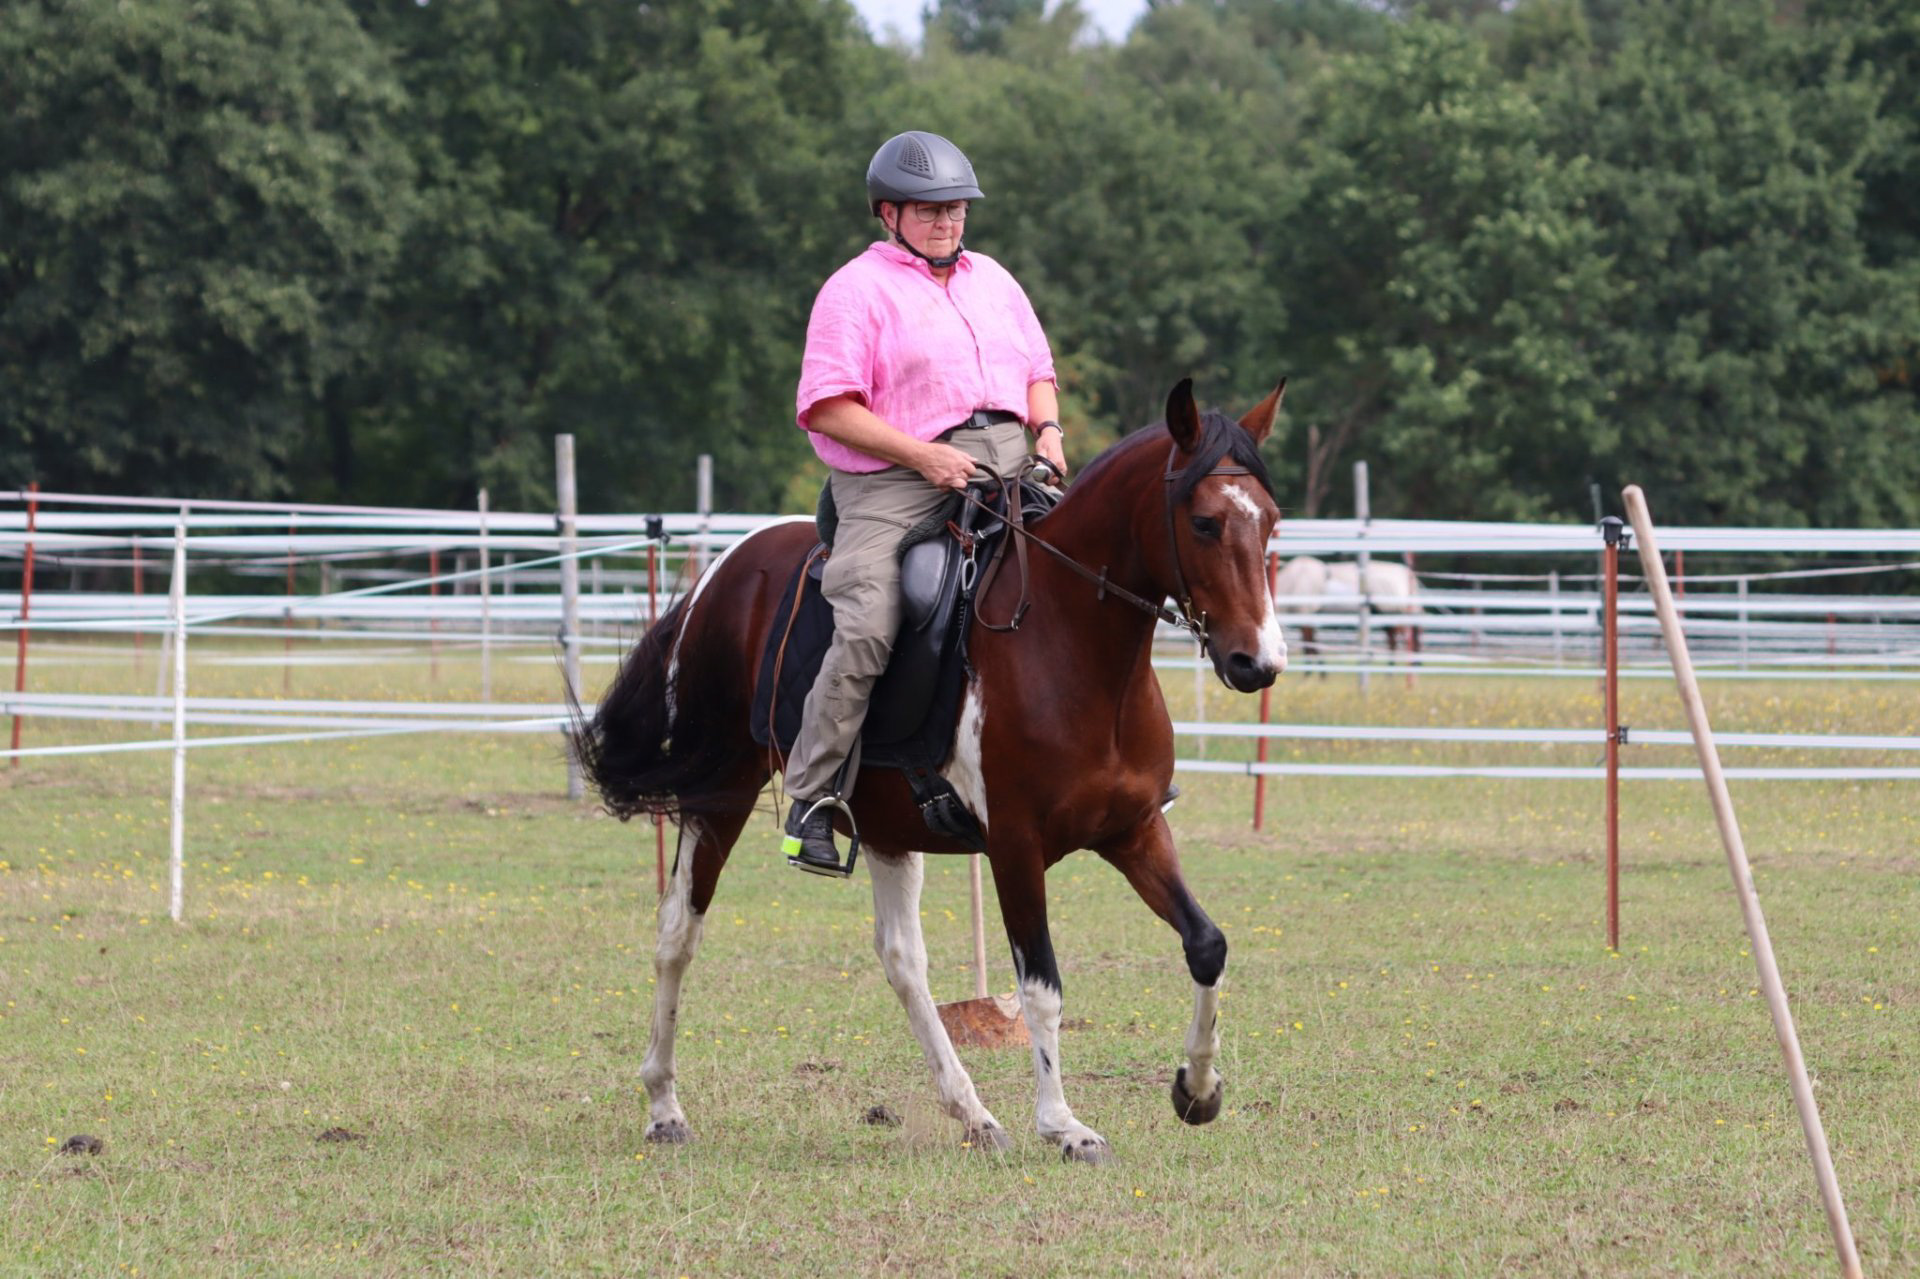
{"x": 920, "y": 355}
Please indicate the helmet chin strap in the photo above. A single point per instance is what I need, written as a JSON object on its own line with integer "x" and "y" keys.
{"x": 900, "y": 238}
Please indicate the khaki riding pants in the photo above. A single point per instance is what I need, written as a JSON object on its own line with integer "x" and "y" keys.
{"x": 862, "y": 582}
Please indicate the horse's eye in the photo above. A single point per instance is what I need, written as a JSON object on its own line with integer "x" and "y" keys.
{"x": 1206, "y": 526}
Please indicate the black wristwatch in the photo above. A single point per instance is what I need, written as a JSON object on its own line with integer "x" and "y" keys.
{"x": 1049, "y": 423}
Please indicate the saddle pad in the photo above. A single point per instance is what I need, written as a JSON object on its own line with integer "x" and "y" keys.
{"x": 922, "y": 742}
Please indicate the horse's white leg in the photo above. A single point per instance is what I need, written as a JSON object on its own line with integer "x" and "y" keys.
{"x": 897, "y": 939}
{"x": 1196, "y": 1089}
{"x": 1040, "y": 1003}
{"x": 1020, "y": 882}
{"x": 680, "y": 928}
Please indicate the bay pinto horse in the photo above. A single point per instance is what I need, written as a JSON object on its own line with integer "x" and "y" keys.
{"x": 1063, "y": 741}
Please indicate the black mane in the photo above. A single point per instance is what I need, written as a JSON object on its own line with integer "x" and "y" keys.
{"x": 1220, "y": 438}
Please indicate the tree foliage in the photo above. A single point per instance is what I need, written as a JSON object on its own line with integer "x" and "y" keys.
{"x": 382, "y": 251}
{"x": 202, "y": 205}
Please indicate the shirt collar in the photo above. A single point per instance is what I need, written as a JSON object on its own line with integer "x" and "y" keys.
{"x": 892, "y": 252}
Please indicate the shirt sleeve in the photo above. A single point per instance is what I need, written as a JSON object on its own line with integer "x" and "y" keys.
{"x": 1041, "y": 353}
{"x": 840, "y": 349}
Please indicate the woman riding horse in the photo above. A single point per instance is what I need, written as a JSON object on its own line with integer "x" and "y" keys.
{"x": 923, "y": 360}
{"x": 1078, "y": 759}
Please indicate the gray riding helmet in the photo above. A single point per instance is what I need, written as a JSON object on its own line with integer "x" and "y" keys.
{"x": 919, "y": 166}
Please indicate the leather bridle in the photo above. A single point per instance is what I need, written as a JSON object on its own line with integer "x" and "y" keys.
{"x": 1184, "y": 617}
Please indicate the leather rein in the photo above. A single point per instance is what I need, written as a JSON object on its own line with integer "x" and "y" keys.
{"x": 1184, "y": 617}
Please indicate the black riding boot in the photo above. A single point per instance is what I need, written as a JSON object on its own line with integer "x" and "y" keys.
{"x": 809, "y": 841}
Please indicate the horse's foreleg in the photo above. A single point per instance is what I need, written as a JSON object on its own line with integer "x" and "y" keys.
{"x": 1147, "y": 858}
{"x": 903, "y": 953}
{"x": 703, "y": 848}
{"x": 1020, "y": 882}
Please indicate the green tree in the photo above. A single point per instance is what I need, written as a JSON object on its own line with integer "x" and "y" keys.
{"x": 1129, "y": 190}
{"x": 202, "y": 206}
{"x": 979, "y": 26}
{"x": 1745, "y": 331}
{"x": 1435, "y": 269}
{"x": 626, "y": 211}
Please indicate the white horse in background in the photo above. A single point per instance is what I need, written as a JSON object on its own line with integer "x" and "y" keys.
{"x": 1390, "y": 588}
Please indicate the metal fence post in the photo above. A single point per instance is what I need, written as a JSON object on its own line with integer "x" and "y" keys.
{"x": 568, "y": 519}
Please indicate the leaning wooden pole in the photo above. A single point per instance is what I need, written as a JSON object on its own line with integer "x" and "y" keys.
{"x": 1743, "y": 886}
{"x": 978, "y": 896}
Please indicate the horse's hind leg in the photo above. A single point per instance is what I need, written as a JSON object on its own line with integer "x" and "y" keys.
{"x": 903, "y": 953}
{"x": 704, "y": 845}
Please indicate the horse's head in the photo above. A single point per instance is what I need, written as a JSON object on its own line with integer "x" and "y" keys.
{"x": 1221, "y": 512}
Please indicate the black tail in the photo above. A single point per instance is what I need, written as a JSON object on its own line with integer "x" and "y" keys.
{"x": 674, "y": 742}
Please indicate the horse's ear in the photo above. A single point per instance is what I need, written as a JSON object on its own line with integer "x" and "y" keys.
{"x": 1259, "y": 419}
{"x": 1183, "y": 416}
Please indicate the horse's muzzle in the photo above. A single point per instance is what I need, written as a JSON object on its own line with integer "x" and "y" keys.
{"x": 1245, "y": 673}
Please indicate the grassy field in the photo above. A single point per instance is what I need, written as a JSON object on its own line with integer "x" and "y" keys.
{"x": 1434, "y": 1066}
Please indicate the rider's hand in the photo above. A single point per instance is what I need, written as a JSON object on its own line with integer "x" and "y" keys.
{"x": 1048, "y": 447}
{"x": 945, "y": 466}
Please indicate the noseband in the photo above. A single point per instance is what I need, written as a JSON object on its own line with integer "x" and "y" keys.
{"x": 1194, "y": 624}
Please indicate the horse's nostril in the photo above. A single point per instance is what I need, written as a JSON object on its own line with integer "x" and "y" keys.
{"x": 1248, "y": 673}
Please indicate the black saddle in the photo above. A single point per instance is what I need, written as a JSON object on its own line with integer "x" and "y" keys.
{"x": 916, "y": 702}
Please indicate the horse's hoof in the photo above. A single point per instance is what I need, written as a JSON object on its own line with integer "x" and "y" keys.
{"x": 669, "y": 1132}
{"x": 1203, "y": 1111}
{"x": 991, "y": 1138}
{"x": 1086, "y": 1150}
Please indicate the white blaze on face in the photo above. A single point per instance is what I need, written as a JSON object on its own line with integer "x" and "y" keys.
{"x": 1239, "y": 498}
{"x": 1273, "y": 643}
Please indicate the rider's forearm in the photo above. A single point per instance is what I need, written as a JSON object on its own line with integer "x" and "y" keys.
{"x": 1043, "y": 404}
{"x": 845, "y": 420}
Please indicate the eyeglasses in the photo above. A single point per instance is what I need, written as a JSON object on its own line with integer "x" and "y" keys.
{"x": 955, "y": 210}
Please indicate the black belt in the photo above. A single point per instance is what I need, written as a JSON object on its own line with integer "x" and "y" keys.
{"x": 981, "y": 419}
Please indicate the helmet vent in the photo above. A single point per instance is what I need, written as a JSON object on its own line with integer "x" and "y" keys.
{"x": 914, "y": 158}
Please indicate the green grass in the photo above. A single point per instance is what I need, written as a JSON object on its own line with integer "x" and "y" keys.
{"x": 1434, "y": 1066}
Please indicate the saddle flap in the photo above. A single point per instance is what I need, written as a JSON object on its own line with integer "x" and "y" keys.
{"x": 929, "y": 574}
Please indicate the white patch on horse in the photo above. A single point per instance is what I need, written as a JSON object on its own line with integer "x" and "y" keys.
{"x": 679, "y": 937}
{"x": 963, "y": 770}
{"x": 1203, "y": 1042}
{"x": 898, "y": 940}
{"x": 686, "y": 618}
{"x": 1273, "y": 641}
{"x": 1040, "y": 1003}
{"x": 1248, "y": 507}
